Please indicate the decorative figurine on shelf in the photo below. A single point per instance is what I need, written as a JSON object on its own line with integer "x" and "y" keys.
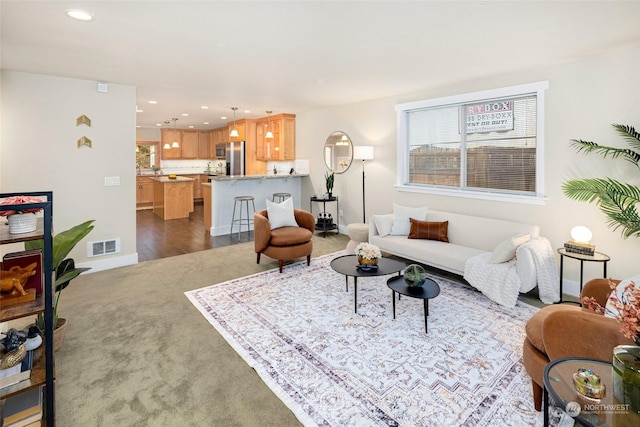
{"x": 13, "y": 280}
{"x": 13, "y": 339}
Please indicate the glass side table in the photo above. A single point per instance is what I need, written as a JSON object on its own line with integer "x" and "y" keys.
{"x": 558, "y": 382}
{"x": 596, "y": 257}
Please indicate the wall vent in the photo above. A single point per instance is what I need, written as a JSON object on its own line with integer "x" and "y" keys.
{"x": 103, "y": 247}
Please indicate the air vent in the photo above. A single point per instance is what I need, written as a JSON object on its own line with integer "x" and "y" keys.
{"x": 104, "y": 247}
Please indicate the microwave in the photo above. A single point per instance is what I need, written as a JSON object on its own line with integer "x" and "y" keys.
{"x": 220, "y": 150}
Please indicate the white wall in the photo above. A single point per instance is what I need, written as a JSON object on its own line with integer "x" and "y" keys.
{"x": 38, "y": 151}
{"x": 582, "y": 101}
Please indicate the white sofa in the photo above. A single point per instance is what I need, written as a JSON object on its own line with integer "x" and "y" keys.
{"x": 476, "y": 238}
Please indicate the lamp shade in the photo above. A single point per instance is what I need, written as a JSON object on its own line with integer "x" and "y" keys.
{"x": 363, "y": 152}
{"x": 581, "y": 234}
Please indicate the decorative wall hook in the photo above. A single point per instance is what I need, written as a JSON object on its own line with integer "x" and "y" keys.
{"x": 83, "y": 120}
{"x": 84, "y": 141}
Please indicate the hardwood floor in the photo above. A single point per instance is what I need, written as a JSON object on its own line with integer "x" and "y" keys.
{"x": 157, "y": 238}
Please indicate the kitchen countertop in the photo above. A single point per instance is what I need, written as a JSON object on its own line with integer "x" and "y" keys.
{"x": 165, "y": 179}
{"x": 243, "y": 177}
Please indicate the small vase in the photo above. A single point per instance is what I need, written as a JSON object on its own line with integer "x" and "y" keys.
{"x": 626, "y": 376}
{"x": 365, "y": 261}
{"x": 22, "y": 223}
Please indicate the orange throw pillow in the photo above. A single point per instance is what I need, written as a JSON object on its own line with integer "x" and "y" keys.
{"x": 429, "y": 230}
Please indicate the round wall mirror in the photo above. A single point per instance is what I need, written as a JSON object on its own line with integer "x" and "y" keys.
{"x": 338, "y": 152}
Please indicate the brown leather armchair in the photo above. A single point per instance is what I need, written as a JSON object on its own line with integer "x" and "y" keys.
{"x": 564, "y": 330}
{"x": 284, "y": 243}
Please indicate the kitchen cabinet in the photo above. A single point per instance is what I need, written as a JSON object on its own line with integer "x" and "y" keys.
{"x": 282, "y": 145}
{"x": 204, "y": 145}
{"x": 172, "y": 198}
{"x": 189, "y": 147}
{"x": 144, "y": 192}
{"x": 168, "y": 136}
{"x": 197, "y": 184}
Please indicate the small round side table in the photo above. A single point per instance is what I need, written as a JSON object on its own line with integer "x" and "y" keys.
{"x": 596, "y": 257}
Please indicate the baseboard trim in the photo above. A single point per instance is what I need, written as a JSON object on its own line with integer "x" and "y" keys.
{"x": 109, "y": 263}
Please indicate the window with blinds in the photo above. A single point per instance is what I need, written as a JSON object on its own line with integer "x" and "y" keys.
{"x": 479, "y": 146}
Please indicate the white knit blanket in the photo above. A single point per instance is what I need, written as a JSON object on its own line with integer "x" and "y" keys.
{"x": 501, "y": 283}
{"x": 546, "y": 274}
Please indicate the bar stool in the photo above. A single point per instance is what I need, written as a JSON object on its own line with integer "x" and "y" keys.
{"x": 280, "y": 196}
{"x": 248, "y": 220}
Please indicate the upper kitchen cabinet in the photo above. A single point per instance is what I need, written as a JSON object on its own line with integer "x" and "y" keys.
{"x": 169, "y": 136}
{"x": 282, "y": 145}
{"x": 204, "y": 145}
{"x": 189, "y": 144}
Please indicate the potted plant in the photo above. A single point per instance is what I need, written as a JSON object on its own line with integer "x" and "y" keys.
{"x": 328, "y": 177}
{"x": 64, "y": 268}
{"x": 23, "y": 220}
{"x": 617, "y": 200}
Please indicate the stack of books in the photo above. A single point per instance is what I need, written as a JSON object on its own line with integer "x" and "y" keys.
{"x": 580, "y": 248}
{"x": 17, "y": 373}
{"x": 24, "y": 409}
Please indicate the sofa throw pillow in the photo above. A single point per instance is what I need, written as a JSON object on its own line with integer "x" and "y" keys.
{"x": 506, "y": 249}
{"x": 429, "y": 230}
{"x": 621, "y": 296}
{"x": 401, "y": 215}
{"x": 383, "y": 224}
{"x": 281, "y": 214}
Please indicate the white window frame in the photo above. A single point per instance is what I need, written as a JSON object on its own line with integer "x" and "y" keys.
{"x": 403, "y": 110}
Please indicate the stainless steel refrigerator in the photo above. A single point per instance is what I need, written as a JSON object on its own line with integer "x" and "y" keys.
{"x": 235, "y": 155}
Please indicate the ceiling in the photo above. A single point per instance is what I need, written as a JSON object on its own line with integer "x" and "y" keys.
{"x": 296, "y": 56}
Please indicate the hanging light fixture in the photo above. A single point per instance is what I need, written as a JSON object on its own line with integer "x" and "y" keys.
{"x": 234, "y": 131}
{"x": 166, "y": 145}
{"x": 175, "y": 144}
{"x": 269, "y": 134}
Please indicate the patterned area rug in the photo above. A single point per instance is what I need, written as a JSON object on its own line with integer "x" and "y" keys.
{"x": 332, "y": 367}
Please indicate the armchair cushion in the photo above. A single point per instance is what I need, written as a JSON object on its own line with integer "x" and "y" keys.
{"x": 289, "y": 236}
{"x": 281, "y": 214}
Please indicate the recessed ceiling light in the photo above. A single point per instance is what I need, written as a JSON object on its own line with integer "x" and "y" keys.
{"x": 205, "y": 123}
{"x": 80, "y": 15}
{"x": 247, "y": 111}
{"x": 158, "y": 124}
{"x": 223, "y": 118}
{"x": 204, "y": 107}
{"x": 185, "y": 114}
{"x": 153, "y": 102}
{"x": 139, "y": 110}
{"x": 191, "y": 127}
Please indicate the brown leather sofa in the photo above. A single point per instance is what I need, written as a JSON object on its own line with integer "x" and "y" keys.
{"x": 284, "y": 243}
{"x": 564, "y": 330}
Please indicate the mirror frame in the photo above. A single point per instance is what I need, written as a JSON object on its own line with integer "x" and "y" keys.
{"x": 338, "y": 161}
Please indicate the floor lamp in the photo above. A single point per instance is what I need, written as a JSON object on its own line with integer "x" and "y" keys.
{"x": 363, "y": 152}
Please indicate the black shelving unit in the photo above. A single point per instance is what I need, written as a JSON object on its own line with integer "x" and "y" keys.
{"x": 321, "y": 224}
{"x": 42, "y": 373}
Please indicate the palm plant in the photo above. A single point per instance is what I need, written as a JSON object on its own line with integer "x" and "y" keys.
{"x": 617, "y": 200}
{"x": 63, "y": 267}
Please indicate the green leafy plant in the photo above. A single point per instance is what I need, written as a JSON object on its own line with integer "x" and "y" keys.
{"x": 329, "y": 177}
{"x": 64, "y": 268}
{"x": 617, "y": 200}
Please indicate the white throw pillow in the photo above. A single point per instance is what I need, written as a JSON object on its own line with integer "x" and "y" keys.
{"x": 506, "y": 250}
{"x": 383, "y": 224}
{"x": 281, "y": 214}
{"x": 401, "y": 214}
{"x": 610, "y": 310}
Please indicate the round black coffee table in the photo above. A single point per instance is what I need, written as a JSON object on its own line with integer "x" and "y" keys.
{"x": 428, "y": 290}
{"x": 348, "y": 265}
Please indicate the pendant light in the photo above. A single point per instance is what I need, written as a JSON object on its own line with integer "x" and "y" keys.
{"x": 175, "y": 144}
{"x": 269, "y": 134}
{"x": 234, "y": 131}
{"x": 166, "y": 145}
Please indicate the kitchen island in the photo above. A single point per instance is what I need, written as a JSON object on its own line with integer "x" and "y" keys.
{"x": 219, "y": 193}
{"x": 172, "y": 198}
